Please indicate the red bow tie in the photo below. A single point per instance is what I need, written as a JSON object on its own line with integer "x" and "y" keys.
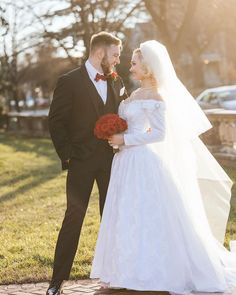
{"x": 100, "y": 77}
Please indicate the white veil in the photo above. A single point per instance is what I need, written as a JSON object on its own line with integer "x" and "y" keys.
{"x": 206, "y": 187}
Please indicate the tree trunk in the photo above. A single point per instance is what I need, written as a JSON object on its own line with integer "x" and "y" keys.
{"x": 197, "y": 69}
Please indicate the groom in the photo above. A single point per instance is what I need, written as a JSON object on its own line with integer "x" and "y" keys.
{"x": 80, "y": 98}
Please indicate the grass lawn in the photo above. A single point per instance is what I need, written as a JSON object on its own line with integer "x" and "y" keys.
{"x": 32, "y": 205}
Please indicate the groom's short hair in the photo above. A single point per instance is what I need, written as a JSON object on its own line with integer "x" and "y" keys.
{"x": 103, "y": 39}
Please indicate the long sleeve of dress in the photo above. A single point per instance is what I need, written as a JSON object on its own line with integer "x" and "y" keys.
{"x": 155, "y": 113}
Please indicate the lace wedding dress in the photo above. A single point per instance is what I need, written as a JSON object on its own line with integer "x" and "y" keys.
{"x": 147, "y": 240}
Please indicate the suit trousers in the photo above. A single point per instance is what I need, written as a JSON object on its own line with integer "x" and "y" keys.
{"x": 80, "y": 179}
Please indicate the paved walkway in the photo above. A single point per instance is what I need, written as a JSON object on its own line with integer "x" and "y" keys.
{"x": 81, "y": 287}
{"x": 85, "y": 287}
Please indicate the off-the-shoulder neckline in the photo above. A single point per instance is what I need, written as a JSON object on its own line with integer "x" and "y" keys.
{"x": 143, "y": 100}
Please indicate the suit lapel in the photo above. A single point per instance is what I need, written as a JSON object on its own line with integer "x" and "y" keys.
{"x": 114, "y": 92}
{"x": 92, "y": 91}
{"x": 93, "y": 94}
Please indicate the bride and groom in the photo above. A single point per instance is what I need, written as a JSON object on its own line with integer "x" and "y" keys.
{"x": 164, "y": 200}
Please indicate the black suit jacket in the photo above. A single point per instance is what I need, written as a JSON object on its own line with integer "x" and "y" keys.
{"x": 73, "y": 113}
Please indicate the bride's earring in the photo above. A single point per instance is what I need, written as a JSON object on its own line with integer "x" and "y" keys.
{"x": 154, "y": 81}
{"x": 149, "y": 75}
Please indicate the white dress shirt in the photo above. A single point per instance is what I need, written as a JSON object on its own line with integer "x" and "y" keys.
{"x": 100, "y": 85}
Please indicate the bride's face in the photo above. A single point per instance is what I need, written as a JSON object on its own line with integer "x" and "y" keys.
{"x": 137, "y": 70}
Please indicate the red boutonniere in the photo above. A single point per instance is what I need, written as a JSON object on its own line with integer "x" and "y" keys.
{"x": 113, "y": 76}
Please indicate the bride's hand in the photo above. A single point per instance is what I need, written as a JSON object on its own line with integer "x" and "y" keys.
{"x": 116, "y": 139}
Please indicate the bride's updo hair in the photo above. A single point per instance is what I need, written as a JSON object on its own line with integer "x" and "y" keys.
{"x": 146, "y": 68}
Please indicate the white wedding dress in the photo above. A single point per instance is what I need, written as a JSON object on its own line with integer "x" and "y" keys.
{"x": 147, "y": 240}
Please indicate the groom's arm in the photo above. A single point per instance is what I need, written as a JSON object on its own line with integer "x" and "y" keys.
{"x": 59, "y": 116}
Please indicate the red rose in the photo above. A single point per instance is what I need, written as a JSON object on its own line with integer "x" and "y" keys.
{"x": 113, "y": 76}
{"x": 109, "y": 125}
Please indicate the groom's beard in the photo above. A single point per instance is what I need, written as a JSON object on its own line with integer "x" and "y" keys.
{"x": 107, "y": 68}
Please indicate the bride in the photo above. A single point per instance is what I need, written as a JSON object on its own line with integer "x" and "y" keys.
{"x": 167, "y": 203}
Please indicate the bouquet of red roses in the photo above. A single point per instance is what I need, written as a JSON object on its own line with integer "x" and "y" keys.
{"x": 109, "y": 125}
